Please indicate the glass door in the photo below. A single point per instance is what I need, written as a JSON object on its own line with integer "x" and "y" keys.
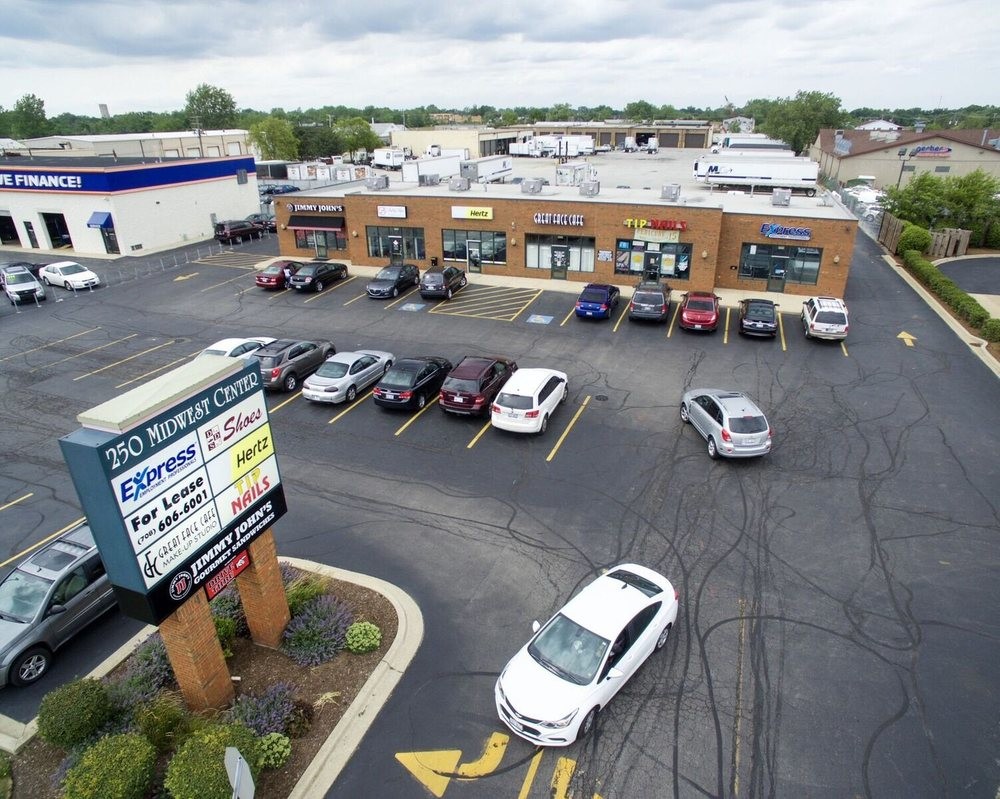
{"x": 559, "y": 261}
{"x": 319, "y": 242}
{"x": 776, "y": 277}
{"x": 474, "y": 257}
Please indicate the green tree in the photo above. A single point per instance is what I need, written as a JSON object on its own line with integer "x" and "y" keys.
{"x": 210, "y": 108}
{"x": 275, "y": 139}
{"x": 318, "y": 142}
{"x": 639, "y": 110}
{"x": 27, "y": 118}
{"x": 508, "y": 118}
{"x": 798, "y": 120}
{"x": 967, "y": 201}
{"x": 356, "y": 134}
{"x": 560, "y": 112}
{"x": 920, "y": 201}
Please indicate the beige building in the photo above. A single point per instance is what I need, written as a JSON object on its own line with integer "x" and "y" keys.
{"x": 174, "y": 144}
{"x": 893, "y": 158}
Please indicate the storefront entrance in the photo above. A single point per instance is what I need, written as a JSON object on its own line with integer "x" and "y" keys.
{"x": 8, "y": 230}
{"x": 58, "y": 230}
{"x": 474, "y": 256}
{"x": 559, "y": 261}
{"x": 776, "y": 277}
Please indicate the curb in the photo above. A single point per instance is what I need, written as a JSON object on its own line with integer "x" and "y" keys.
{"x": 976, "y": 345}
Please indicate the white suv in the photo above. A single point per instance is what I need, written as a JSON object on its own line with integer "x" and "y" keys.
{"x": 527, "y": 399}
{"x": 824, "y": 317}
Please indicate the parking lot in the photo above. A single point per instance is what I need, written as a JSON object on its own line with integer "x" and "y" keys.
{"x": 836, "y": 634}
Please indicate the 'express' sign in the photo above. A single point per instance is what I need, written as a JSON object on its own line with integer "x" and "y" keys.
{"x": 775, "y": 231}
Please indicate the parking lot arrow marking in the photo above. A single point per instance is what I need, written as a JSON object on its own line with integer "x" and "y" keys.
{"x": 908, "y": 338}
{"x": 492, "y": 755}
{"x": 187, "y": 277}
{"x": 433, "y": 770}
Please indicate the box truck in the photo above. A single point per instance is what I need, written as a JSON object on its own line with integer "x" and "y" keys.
{"x": 388, "y": 158}
{"x": 798, "y": 174}
{"x": 575, "y": 173}
{"x": 444, "y": 166}
{"x": 488, "y": 169}
{"x": 630, "y": 145}
{"x": 702, "y": 164}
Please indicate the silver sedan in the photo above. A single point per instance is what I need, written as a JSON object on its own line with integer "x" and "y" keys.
{"x": 343, "y": 375}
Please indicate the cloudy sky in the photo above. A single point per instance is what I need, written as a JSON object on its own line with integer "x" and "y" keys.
{"x": 146, "y": 55}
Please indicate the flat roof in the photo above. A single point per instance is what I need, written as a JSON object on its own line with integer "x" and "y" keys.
{"x": 626, "y": 178}
{"x": 76, "y": 162}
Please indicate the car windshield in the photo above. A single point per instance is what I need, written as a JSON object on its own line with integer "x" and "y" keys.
{"x": 517, "y": 401}
{"x": 19, "y": 277}
{"x": 569, "y": 650}
{"x": 594, "y": 295}
{"x": 457, "y": 384}
{"x": 74, "y": 269}
{"x": 332, "y": 369}
{"x": 831, "y": 318}
{"x": 748, "y": 424}
{"x": 761, "y": 313}
{"x": 399, "y": 378}
{"x": 22, "y": 595}
{"x": 389, "y": 273}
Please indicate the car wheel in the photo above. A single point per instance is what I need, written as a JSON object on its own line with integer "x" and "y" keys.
{"x": 30, "y": 666}
{"x": 685, "y": 417}
{"x": 352, "y": 393}
{"x": 395, "y": 291}
{"x": 421, "y": 401}
{"x": 464, "y": 282}
{"x": 291, "y": 382}
{"x": 45, "y": 280}
{"x": 448, "y": 294}
{"x": 713, "y": 451}
{"x": 544, "y": 425}
{"x": 343, "y": 273}
{"x": 662, "y": 640}
{"x": 67, "y": 286}
{"x": 565, "y": 394}
{"x": 319, "y": 286}
{"x": 387, "y": 365}
{"x": 587, "y": 725}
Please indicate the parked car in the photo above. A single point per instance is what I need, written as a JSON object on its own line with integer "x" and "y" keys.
{"x": 314, "y": 275}
{"x": 263, "y": 221}
{"x": 528, "y": 399}
{"x": 236, "y": 230}
{"x": 391, "y": 280}
{"x": 275, "y": 275}
{"x": 597, "y": 301}
{"x": 551, "y": 691}
{"x": 236, "y": 347}
{"x": 824, "y": 317}
{"x": 699, "y": 311}
{"x": 20, "y": 285}
{"x": 46, "y": 600}
{"x": 343, "y": 375}
{"x": 285, "y": 362}
{"x": 442, "y": 281}
{"x": 729, "y": 421}
{"x": 473, "y": 384}
{"x": 31, "y": 266}
{"x": 68, "y": 274}
{"x": 758, "y": 318}
{"x": 411, "y": 382}
{"x": 651, "y": 301}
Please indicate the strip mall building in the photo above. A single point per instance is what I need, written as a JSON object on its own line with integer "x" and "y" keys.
{"x": 697, "y": 241}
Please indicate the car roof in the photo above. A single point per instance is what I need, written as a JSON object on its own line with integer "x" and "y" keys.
{"x": 474, "y": 365}
{"x": 63, "y": 263}
{"x": 276, "y": 346}
{"x": 736, "y": 403}
{"x": 416, "y": 361}
{"x": 65, "y": 551}
{"x": 597, "y": 286}
{"x": 527, "y": 381}
{"x": 755, "y": 301}
{"x": 700, "y": 295}
{"x": 607, "y": 604}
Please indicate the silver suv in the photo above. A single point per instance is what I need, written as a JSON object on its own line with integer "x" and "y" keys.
{"x": 48, "y": 599}
{"x": 20, "y": 285}
{"x": 824, "y": 317}
{"x": 729, "y": 421}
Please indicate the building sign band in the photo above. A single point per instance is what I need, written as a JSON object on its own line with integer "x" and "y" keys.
{"x": 570, "y": 220}
{"x": 465, "y": 212}
{"x": 656, "y": 224}
{"x": 775, "y": 231}
{"x": 315, "y": 207}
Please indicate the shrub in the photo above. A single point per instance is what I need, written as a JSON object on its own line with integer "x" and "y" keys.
{"x": 73, "y": 712}
{"x": 164, "y": 721}
{"x": 272, "y": 711}
{"x": 225, "y": 628}
{"x": 145, "y": 674}
{"x": 363, "y": 636}
{"x": 5, "y": 769}
{"x": 275, "y": 749}
{"x": 992, "y": 238}
{"x": 227, "y": 605}
{"x": 116, "y": 767}
{"x": 301, "y": 721}
{"x": 318, "y": 632}
{"x": 198, "y": 769}
{"x": 303, "y": 589}
{"x": 288, "y": 573}
{"x": 991, "y": 330}
{"x": 913, "y": 237}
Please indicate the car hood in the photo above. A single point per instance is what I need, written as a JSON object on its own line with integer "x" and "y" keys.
{"x": 536, "y": 692}
{"x": 11, "y": 632}
{"x": 381, "y": 284}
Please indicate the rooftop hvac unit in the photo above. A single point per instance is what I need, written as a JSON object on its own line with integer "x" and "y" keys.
{"x": 428, "y": 180}
{"x": 458, "y": 184}
{"x": 531, "y": 186}
{"x": 377, "y": 182}
{"x": 590, "y": 188}
{"x": 671, "y": 191}
{"x": 781, "y": 197}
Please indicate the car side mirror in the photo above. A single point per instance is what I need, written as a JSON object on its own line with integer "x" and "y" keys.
{"x": 55, "y": 610}
{"x": 615, "y": 674}
{"x": 535, "y": 626}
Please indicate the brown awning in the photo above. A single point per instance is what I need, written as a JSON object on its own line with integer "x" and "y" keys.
{"x": 302, "y": 222}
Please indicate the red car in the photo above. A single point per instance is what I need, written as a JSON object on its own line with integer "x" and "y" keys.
{"x": 472, "y": 386}
{"x": 700, "y": 311}
{"x": 273, "y": 276}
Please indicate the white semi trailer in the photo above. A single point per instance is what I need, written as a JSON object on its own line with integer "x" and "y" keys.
{"x": 444, "y": 166}
{"x": 739, "y": 156}
{"x": 488, "y": 169}
{"x": 798, "y": 174}
{"x": 388, "y": 157}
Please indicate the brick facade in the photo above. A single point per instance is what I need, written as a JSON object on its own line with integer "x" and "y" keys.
{"x": 262, "y": 593}
{"x": 196, "y": 655}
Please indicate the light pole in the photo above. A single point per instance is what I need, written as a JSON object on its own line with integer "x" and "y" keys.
{"x": 904, "y": 156}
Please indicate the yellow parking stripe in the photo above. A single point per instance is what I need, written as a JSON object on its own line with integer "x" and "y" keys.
{"x": 51, "y": 344}
{"x": 478, "y": 436}
{"x": 351, "y": 407}
{"x": 781, "y": 332}
{"x": 621, "y": 316}
{"x": 569, "y": 427}
{"x": 45, "y": 540}
{"x": 571, "y": 312}
{"x": 86, "y": 352}
{"x": 529, "y": 778}
{"x": 331, "y": 289}
{"x": 725, "y": 332}
{"x": 402, "y": 297}
{"x": 281, "y": 405}
{"x": 19, "y": 499}
{"x": 126, "y": 360}
{"x": 417, "y": 415}
{"x": 843, "y": 348}
{"x": 673, "y": 319}
{"x": 154, "y": 371}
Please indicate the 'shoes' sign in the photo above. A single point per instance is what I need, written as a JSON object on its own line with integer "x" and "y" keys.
{"x": 176, "y": 498}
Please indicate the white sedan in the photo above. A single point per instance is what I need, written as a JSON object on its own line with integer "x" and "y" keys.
{"x": 343, "y": 375}
{"x": 552, "y": 690}
{"x": 236, "y": 347}
{"x": 68, "y": 274}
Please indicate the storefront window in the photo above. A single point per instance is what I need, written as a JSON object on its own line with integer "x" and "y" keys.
{"x": 493, "y": 246}
{"x": 306, "y": 239}
{"x": 538, "y": 252}
{"x": 380, "y": 241}
{"x": 800, "y": 264}
{"x": 649, "y": 259}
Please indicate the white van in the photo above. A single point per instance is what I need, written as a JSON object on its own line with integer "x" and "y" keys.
{"x": 528, "y": 399}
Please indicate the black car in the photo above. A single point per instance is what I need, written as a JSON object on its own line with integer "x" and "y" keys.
{"x": 236, "y": 230}
{"x": 651, "y": 300}
{"x": 263, "y": 221}
{"x": 442, "y": 281}
{"x": 393, "y": 279}
{"x": 758, "y": 318}
{"x": 316, "y": 274}
{"x": 411, "y": 382}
